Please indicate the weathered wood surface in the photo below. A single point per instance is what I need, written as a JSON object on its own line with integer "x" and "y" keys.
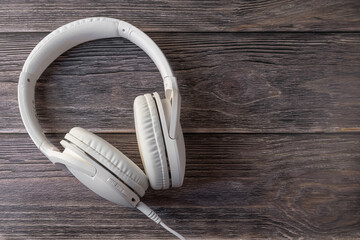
{"x": 229, "y": 82}
{"x": 187, "y": 16}
{"x": 236, "y": 186}
{"x": 273, "y": 85}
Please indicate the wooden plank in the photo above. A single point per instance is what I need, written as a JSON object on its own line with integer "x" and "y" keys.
{"x": 236, "y": 186}
{"x": 229, "y": 82}
{"x": 187, "y": 16}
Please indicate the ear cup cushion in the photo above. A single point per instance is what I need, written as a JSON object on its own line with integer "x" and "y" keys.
{"x": 110, "y": 157}
{"x": 151, "y": 141}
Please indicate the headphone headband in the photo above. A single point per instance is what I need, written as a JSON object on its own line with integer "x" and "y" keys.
{"x": 88, "y": 29}
{"x": 70, "y": 35}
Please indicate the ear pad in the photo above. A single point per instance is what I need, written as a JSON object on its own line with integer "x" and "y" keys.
{"x": 111, "y": 158}
{"x": 151, "y": 141}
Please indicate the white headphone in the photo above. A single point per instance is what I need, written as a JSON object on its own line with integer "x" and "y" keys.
{"x": 92, "y": 160}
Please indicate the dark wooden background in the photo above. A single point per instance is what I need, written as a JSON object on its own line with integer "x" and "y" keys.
{"x": 271, "y": 115}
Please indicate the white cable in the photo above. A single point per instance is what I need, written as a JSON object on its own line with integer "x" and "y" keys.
{"x": 153, "y": 216}
{"x": 172, "y": 231}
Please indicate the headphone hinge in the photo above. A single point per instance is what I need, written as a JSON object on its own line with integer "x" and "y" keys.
{"x": 170, "y": 85}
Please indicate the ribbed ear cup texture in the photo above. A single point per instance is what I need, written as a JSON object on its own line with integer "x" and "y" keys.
{"x": 111, "y": 158}
{"x": 151, "y": 141}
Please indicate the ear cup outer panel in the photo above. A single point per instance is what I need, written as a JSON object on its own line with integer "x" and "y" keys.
{"x": 103, "y": 181}
{"x": 111, "y": 158}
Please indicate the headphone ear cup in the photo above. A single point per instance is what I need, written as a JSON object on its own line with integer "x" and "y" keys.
{"x": 109, "y": 158}
{"x": 101, "y": 181}
{"x": 151, "y": 141}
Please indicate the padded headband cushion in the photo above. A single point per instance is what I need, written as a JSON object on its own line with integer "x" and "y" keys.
{"x": 111, "y": 158}
{"x": 151, "y": 142}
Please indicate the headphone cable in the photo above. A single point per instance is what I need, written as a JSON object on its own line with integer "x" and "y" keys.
{"x": 153, "y": 216}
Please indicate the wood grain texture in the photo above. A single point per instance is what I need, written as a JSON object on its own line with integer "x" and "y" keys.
{"x": 187, "y": 16}
{"x": 229, "y": 82}
{"x": 271, "y": 111}
{"x": 237, "y": 186}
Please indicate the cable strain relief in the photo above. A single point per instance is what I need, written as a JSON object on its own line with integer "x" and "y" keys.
{"x": 148, "y": 212}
